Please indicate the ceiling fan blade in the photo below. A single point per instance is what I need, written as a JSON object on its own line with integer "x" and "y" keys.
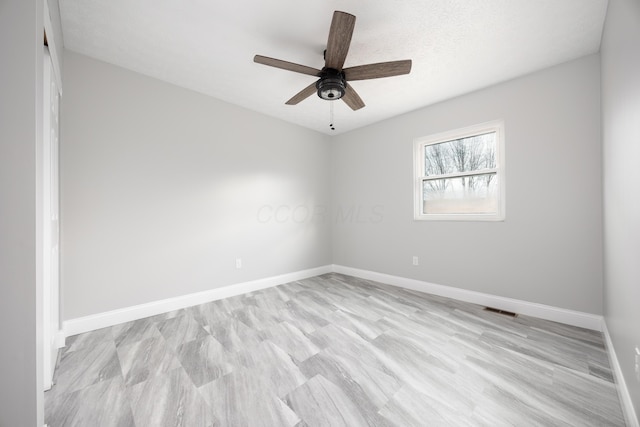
{"x": 303, "y": 94}
{"x": 376, "y": 71}
{"x": 352, "y": 99}
{"x": 285, "y": 65}
{"x": 340, "y": 34}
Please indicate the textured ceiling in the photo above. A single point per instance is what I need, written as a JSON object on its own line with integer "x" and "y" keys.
{"x": 457, "y": 46}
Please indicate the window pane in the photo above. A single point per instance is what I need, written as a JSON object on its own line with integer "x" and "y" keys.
{"x": 469, "y": 195}
{"x": 460, "y": 155}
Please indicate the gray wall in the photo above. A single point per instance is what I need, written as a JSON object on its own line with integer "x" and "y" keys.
{"x": 549, "y": 249}
{"x": 20, "y": 299}
{"x": 162, "y": 188}
{"x": 621, "y": 153}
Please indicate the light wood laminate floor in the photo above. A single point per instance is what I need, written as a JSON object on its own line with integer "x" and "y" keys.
{"x": 334, "y": 350}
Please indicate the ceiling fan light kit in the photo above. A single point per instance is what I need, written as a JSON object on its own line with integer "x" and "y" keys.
{"x": 332, "y": 83}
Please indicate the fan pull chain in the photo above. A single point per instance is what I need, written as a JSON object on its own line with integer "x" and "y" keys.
{"x": 331, "y": 116}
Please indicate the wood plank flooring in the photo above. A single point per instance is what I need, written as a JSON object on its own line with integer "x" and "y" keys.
{"x": 334, "y": 350}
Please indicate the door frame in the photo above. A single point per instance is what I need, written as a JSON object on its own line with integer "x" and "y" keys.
{"x": 49, "y": 221}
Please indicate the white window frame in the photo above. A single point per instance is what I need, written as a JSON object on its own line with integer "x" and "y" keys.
{"x": 496, "y": 126}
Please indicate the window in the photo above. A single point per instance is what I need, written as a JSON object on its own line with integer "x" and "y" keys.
{"x": 459, "y": 175}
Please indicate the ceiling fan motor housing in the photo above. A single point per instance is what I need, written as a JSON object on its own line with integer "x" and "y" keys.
{"x": 332, "y": 84}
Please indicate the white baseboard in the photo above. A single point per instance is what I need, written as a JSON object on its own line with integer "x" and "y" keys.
{"x": 110, "y": 318}
{"x": 623, "y": 392}
{"x": 60, "y": 339}
{"x": 547, "y": 312}
{"x": 102, "y": 320}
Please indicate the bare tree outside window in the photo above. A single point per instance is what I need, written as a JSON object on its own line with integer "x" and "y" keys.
{"x": 460, "y": 176}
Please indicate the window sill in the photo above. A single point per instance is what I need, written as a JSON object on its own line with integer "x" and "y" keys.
{"x": 459, "y": 217}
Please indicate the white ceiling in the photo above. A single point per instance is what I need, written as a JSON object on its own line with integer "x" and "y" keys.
{"x": 457, "y": 46}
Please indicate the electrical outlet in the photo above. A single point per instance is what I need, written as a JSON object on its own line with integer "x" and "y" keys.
{"x": 415, "y": 260}
{"x": 238, "y": 263}
{"x": 638, "y": 363}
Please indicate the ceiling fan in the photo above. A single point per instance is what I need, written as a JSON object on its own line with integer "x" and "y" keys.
{"x": 333, "y": 80}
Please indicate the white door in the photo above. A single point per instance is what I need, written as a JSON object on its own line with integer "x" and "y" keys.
{"x": 50, "y": 227}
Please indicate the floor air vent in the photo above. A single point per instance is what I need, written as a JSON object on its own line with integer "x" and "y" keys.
{"x": 503, "y": 312}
